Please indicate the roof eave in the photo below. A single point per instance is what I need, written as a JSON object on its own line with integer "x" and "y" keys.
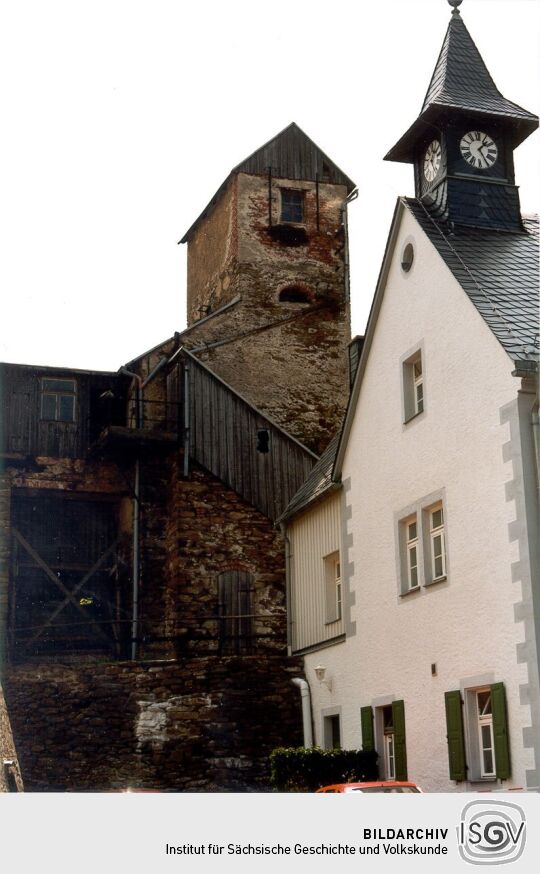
{"x": 405, "y": 149}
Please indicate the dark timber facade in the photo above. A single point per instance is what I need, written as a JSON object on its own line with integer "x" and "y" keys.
{"x": 142, "y": 578}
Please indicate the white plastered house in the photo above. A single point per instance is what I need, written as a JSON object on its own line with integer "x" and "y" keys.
{"x": 413, "y": 547}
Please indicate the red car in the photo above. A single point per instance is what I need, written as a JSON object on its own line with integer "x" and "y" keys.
{"x": 377, "y": 786}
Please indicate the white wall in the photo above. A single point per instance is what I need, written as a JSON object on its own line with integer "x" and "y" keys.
{"x": 465, "y": 625}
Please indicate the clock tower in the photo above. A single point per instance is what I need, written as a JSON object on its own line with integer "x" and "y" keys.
{"x": 462, "y": 143}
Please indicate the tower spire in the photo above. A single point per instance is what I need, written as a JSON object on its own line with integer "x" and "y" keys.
{"x": 455, "y": 4}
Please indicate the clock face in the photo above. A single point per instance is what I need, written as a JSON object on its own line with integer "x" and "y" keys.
{"x": 432, "y": 160}
{"x": 479, "y": 150}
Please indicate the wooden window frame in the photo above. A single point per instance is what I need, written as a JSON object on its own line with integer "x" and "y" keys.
{"x": 285, "y": 206}
{"x": 58, "y": 394}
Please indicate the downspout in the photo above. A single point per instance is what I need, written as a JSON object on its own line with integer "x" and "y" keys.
{"x": 306, "y": 710}
{"x": 288, "y": 586}
{"x": 136, "y": 524}
{"x": 536, "y": 441}
{"x": 346, "y": 260}
{"x": 186, "y": 421}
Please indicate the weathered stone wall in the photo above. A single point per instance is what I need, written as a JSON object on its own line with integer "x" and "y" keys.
{"x": 211, "y": 254}
{"x": 192, "y": 725}
{"x": 210, "y": 530}
{"x": 10, "y": 775}
{"x": 288, "y": 359}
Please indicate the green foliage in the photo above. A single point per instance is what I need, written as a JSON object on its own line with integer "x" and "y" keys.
{"x": 301, "y": 769}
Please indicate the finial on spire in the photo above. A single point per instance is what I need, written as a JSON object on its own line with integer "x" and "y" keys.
{"x": 455, "y": 4}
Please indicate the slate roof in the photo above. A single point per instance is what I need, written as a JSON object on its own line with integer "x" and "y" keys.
{"x": 317, "y": 484}
{"x": 291, "y": 154}
{"x": 499, "y": 272}
{"x": 461, "y": 78}
{"x": 460, "y": 83}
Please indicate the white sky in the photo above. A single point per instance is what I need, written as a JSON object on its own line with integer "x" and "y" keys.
{"x": 122, "y": 117}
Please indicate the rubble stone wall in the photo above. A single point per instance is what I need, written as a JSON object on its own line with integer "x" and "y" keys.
{"x": 187, "y": 725}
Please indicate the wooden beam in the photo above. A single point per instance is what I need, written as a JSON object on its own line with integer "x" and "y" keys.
{"x": 53, "y": 577}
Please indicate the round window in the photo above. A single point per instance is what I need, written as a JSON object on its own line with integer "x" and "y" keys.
{"x": 407, "y": 258}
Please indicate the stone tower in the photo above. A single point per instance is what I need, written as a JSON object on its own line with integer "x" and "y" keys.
{"x": 268, "y": 285}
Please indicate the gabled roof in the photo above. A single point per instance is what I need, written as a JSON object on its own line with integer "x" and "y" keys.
{"x": 499, "y": 273}
{"x": 461, "y": 83}
{"x": 291, "y": 154}
{"x": 497, "y": 270}
{"x": 318, "y": 483}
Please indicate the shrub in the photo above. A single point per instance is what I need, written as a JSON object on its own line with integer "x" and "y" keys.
{"x": 301, "y": 769}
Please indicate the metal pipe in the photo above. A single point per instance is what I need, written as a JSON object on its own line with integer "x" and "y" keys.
{"x": 161, "y": 363}
{"x": 269, "y": 197}
{"x": 317, "y": 199}
{"x": 288, "y": 586}
{"x": 306, "y": 710}
{"x": 345, "y": 221}
{"x": 186, "y": 421}
{"x": 139, "y": 407}
{"x": 136, "y": 561}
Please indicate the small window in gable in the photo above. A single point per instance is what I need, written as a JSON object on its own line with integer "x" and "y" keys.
{"x": 292, "y": 205}
{"x": 413, "y": 386}
{"x": 294, "y": 294}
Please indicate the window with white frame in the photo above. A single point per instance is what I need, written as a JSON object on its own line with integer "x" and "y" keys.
{"x": 486, "y": 740}
{"x": 437, "y": 543}
{"x": 421, "y": 534}
{"x": 477, "y": 733}
{"x": 411, "y": 527}
{"x": 413, "y": 386}
{"x": 389, "y": 743}
{"x": 334, "y": 596}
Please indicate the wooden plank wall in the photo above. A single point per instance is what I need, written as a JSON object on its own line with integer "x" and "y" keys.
{"x": 224, "y": 440}
{"x": 21, "y": 428}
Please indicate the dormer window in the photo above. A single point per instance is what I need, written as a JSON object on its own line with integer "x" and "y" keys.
{"x": 58, "y": 400}
{"x": 292, "y": 205}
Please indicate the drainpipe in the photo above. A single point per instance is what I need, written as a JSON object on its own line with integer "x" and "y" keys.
{"x": 136, "y": 522}
{"x": 536, "y": 441}
{"x": 288, "y": 587}
{"x": 306, "y": 710}
{"x": 187, "y": 435}
{"x": 352, "y": 196}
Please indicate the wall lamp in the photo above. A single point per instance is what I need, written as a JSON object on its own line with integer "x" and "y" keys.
{"x": 320, "y": 673}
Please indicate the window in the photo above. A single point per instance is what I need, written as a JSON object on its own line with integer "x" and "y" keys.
{"x": 235, "y": 609}
{"x": 486, "y": 742}
{"x": 413, "y": 386}
{"x": 389, "y": 744}
{"x": 421, "y": 536}
{"x": 477, "y": 733}
{"x": 334, "y": 597}
{"x": 388, "y": 738}
{"x": 407, "y": 258}
{"x": 332, "y": 732}
{"x": 292, "y": 205}
{"x": 58, "y": 400}
{"x": 438, "y": 552}
{"x": 294, "y": 294}
{"x": 412, "y": 553}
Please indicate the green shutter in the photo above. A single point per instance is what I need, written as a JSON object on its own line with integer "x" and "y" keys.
{"x": 500, "y": 731}
{"x": 455, "y": 736}
{"x": 368, "y": 736}
{"x": 398, "y": 716}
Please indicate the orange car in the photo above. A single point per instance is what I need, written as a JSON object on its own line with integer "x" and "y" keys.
{"x": 377, "y": 786}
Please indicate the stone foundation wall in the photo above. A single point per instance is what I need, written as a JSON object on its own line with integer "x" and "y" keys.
{"x": 189, "y": 725}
